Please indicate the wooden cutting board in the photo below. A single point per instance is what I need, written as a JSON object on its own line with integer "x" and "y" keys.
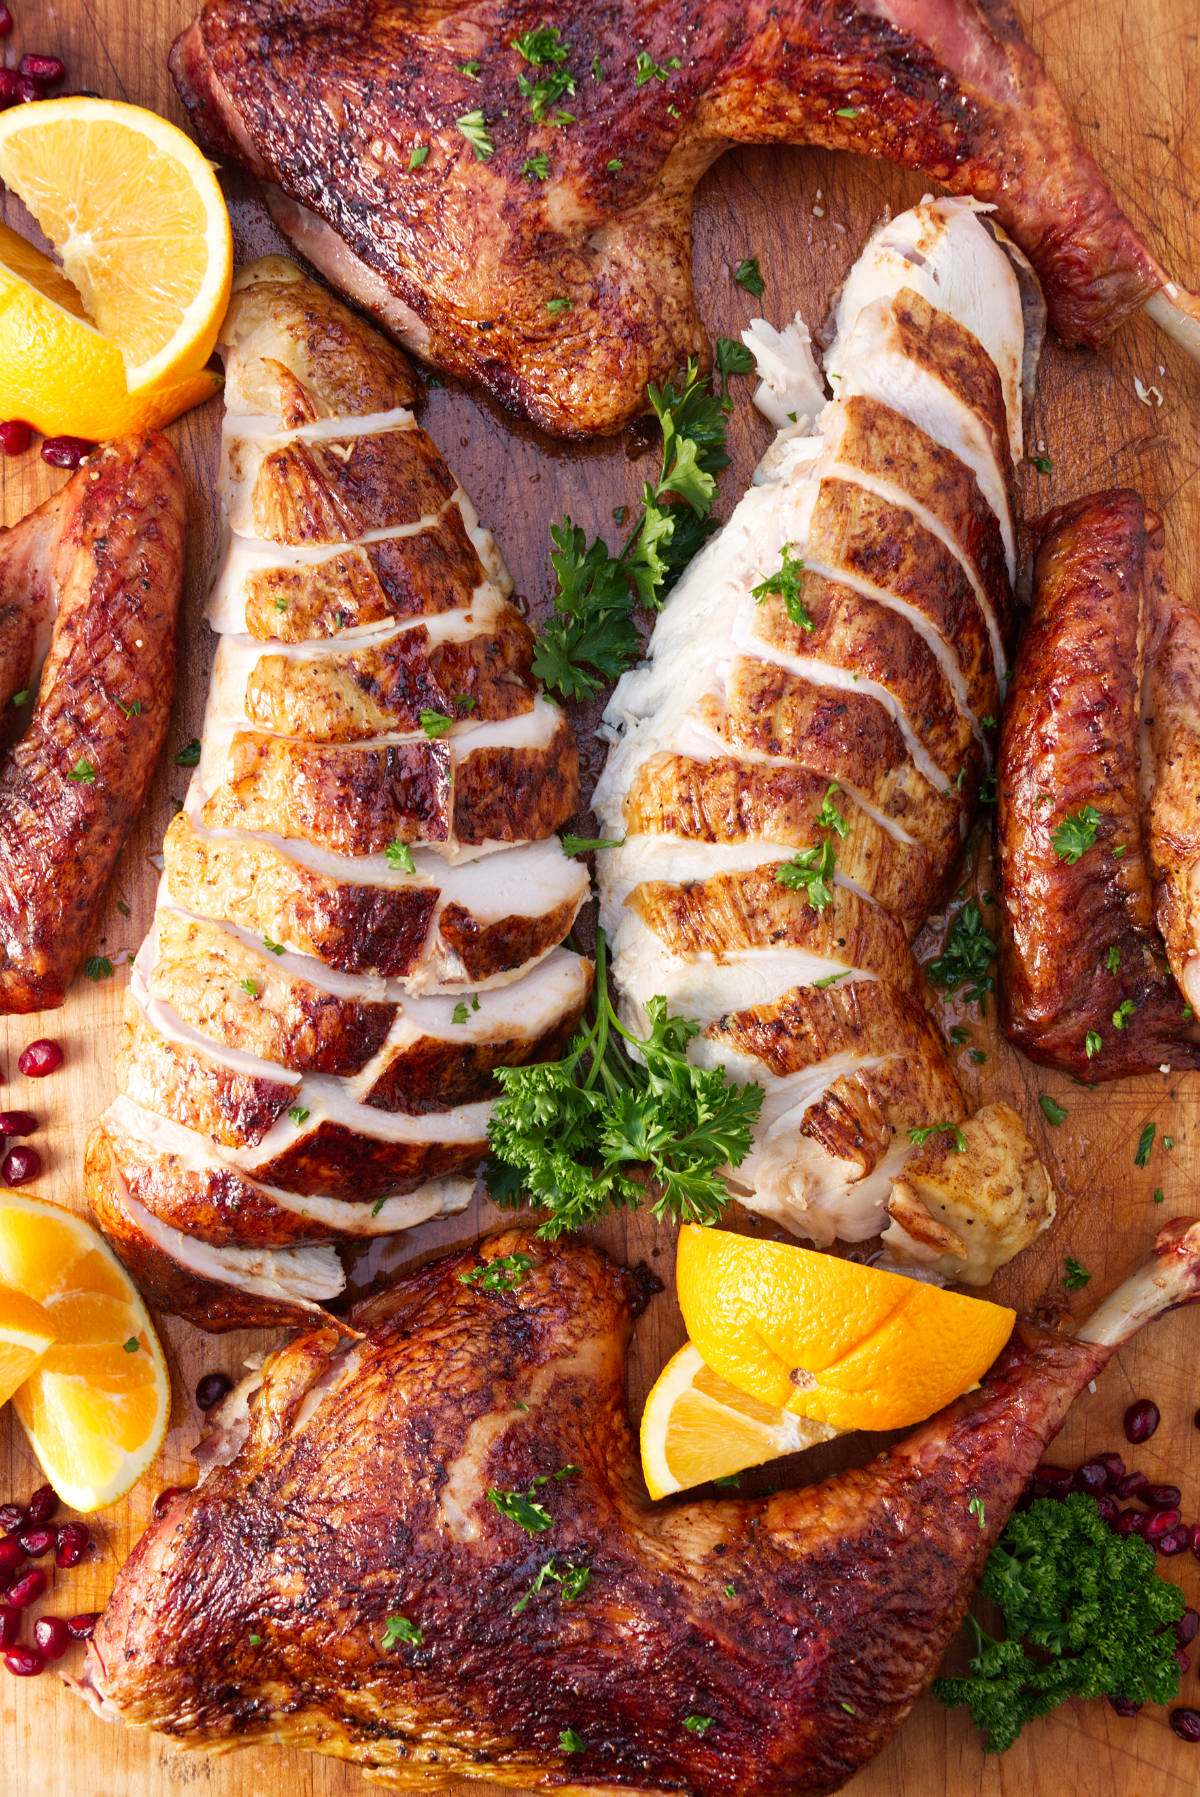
{"x": 1131, "y": 71}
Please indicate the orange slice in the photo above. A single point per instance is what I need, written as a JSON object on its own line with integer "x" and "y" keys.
{"x": 26, "y": 1332}
{"x": 96, "y": 1405}
{"x": 697, "y": 1426}
{"x": 135, "y": 213}
{"x": 829, "y": 1339}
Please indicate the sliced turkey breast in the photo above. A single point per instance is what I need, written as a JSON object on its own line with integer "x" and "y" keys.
{"x": 363, "y": 899}
{"x": 1172, "y": 711}
{"x": 796, "y": 765}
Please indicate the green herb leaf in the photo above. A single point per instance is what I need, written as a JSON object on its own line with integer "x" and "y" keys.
{"x": 571, "y": 1582}
{"x": 1042, "y": 463}
{"x": 19, "y": 699}
{"x": 1076, "y": 834}
{"x": 255, "y": 1640}
{"x": 1145, "y": 1144}
{"x": 400, "y": 858}
{"x": 558, "y": 305}
{"x": 500, "y": 1275}
{"x": 189, "y": 755}
{"x": 1113, "y": 958}
{"x": 134, "y": 710}
{"x": 975, "y": 1508}
{"x": 1093, "y": 1042}
{"x": 959, "y": 1034}
{"x": 460, "y": 1013}
{"x": 698, "y": 1725}
{"x": 123, "y": 908}
{"x": 83, "y": 772}
{"x": 132, "y": 1345}
{"x": 536, "y": 167}
{"x": 570, "y": 1742}
{"x": 921, "y": 1136}
{"x": 584, "y": 845}
{"x": 276, "y": 948}
{"x": 1076, "y": 1275}
{"x": 545, "y": 93}
{"x": 399, "y": 1628}
{"x": 417, "y": 155}
{"x": 831, "y": 979}
{"x": 979, "y": 1056}
{"x": 473, "y": 126}
{"x": 966, "y": 958}
{"x": 1123, "y": 1013}
{"x": 519, "y": 1507}
{"x": 1051, "y": 1110}
{"x": 846, "y": 112}
{"x": 98, "y": 967}
{"x": 542, "y": 46}
{"x": 810, "y": 871}
{"x": 733, "y": 357}
{"x": 1158, "y": 1194}
{"x": 298, "y": 1115}
{"x": 470, "y": 70}
{"x": 829, "y": 817}
{"x": 614, "y": 165}
{"x": 747, "y": 274}
{"x": 786, "y": 583}
{"x": 649, "y": 70}
{"x": 250, "y": 987}
{"x": 434, "y": 723}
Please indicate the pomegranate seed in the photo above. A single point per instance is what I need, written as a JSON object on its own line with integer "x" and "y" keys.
{"x": 1188, "y": 1626}
{"x": 1132, "y": 1484}
{"x": 1182, "y": 1661}
{"x": 1092, "y": 1478}
{"x": 20, "y": 1165}
{"x": 47, "y": 69}
{"x": 1186, "y": 1724}
{"x": 28, "y": 89}
{"x": 1113, "y": 1465}
{"x": 162, "y": 1502}
{"x": 12, "y": 1518}
{"x": 1175, "y": 1540}
{"x": 1160, "y": 1523}
{"x": 1196, "y": 1539}
{"x": 1161, "y": 1497}
{"x": 81, "y": 1626}
{"x": 40, "y": 1058}
{"x": 8, "y": 87}
{"x": 1124, "y": 1706}
{"x": 10, "y": 1625}
{"x": 6, "y": 20}
{"x": 52, "y": 1635}
{"x": 26, "y": 1591}
{"x": 12, "y": 1554}
{"x": 66, "y": 452}
{"x": 1141, "y": 1420}
{"x": 1107, "y": 1508}
{"x": 37, "y": 1542}
{"x": 27, "y": 1662}
{"x": 1132, "y": 1522}
{"x": 15, "y": 434}
{"x": 43, "y": 1504}
{"x": 1053, "y": 1481}
{"x": 212, "y": 1388}
{"x": 74, "y": 1540}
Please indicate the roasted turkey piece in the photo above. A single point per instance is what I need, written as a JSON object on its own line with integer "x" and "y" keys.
{"x": 873, "y": 689}
{"x": 340, "y": 1581}
{"x": 409, "y": 165}
{"x": 89, "y": 598}
{"x": 363, "y": 897}
{"x": 1085, "y": 984}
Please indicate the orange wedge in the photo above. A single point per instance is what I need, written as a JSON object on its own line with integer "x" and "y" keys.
{"x": 26, "y": 1333}
{"x": 96, "y": 1405}
{"x": 696, "y": 1426}
{"x": 828, "y": 1339}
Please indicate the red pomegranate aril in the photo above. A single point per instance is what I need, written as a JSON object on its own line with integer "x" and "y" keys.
{"x": 1107, "y": 1508}
{"x": 46, "y": 69}
{"x": 66, "y": 452}
{"x": 1132, "y": 1522}
{"x": 29, "y": 90}
{"x": 1182, "y": 1661}
{"x": 1195, "y": 1539}
{"x": 43, "y": 1504}
{"x": 81, "y": 1626}
{"x": 27, "y": 1662}
{"x": 20, "y": 1165}
{"x": 8, "y": 87}
{"x": 12, "y": 1554}
{"x": 1186, "y": 1724}
{"x": 1188, "y": 1626}
{"x": 1053, "y": 1481}
{"x": 1174, "y": 1541}
{"x": 17, "y": 1123}
{"x": 1132, "y": 1484}
{"x": 1124, "y": 1706}
{"x": 162, "y": 1502}
{"x": 6, "y": 20}
{"x": 1141, "y": 1420}
{"x": 1160, "y": 1523}
{"x": 13, "y": 1517}
{"x": 26, "y": 1591}
{"x": 52, "y": 1635}
{"x": 1113, "y": 1465}
{"x": 10, "y": 1625}
{"x": 74, "y": 1540}
{"x": 37, "y": 1542}
{"x": 1092, "y": 1478}
{"x": 43, "y": 1056}
{"x": 212, "y": 1388}
{"x": 15, "y": 434}
{"x": 1161, "y": 1497}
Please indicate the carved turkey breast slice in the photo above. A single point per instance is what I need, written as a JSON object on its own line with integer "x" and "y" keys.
{"x": 800, "y": 757}
{"x": 364, "y": 895}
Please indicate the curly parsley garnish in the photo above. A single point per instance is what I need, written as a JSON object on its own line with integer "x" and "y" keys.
{"x": 1076, "y": 1275}
{"x": 399, "y": 1628}
{"x": 600, "y": 1131}
{"x": 786, "y": 583}
{"x": 399, "y": 858}
{"x": 747, "y": 274}
{"x": 1076, "y": 834}
{"x": 503, "y": 1274}
{"x": 966, "y": 958}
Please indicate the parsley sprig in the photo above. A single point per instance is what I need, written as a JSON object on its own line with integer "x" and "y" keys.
{"x": 966, "y": 958}
{"x": 586, "y": 1134}
{"x": 591, "y": 638}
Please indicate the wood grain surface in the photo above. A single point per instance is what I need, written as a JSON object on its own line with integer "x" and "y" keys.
{"x": 1130, "y": 70}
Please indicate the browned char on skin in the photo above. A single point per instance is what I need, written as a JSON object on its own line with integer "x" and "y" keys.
{"x": 1081, "y": 956}
{"x": 348, "y": 1485}
{"x": 108, "y": 551}
{"x": 460, "y": 254}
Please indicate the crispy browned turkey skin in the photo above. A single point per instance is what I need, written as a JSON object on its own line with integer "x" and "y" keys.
{"x": 347, "y": 1484}
{"x": 363, "y": 897}
{"x": 102, "y": 563}
{"x": 1085, "y": 981}
{"x": 461, "y": 255}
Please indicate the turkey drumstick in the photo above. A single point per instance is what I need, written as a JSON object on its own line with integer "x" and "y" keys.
{"x": 340, "y": 1580}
